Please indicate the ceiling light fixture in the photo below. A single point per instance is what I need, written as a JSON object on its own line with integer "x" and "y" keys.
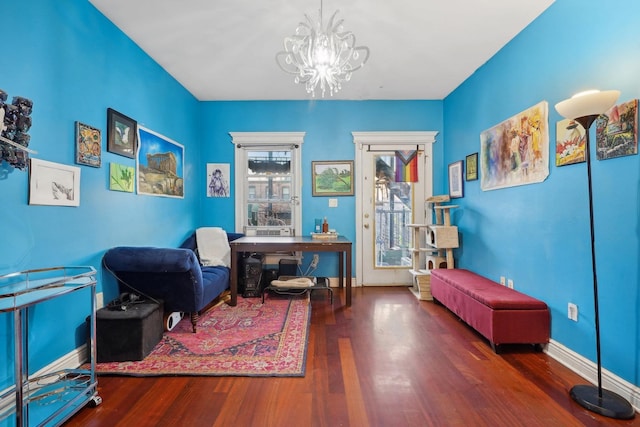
{"x": 324, "y": 56}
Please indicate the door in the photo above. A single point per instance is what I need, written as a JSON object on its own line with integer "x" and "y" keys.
{"x": 385, "y": 207}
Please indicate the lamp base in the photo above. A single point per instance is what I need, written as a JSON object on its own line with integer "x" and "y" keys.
{"x": 610, "y": 405}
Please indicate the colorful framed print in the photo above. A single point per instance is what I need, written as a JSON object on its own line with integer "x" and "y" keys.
{"x": 159, "y": 165}
{"x": 88, "y": 145}
{"x": 121, "y": 177}
{"x": 332, "y": 178}
{"x": 121, "y": 134}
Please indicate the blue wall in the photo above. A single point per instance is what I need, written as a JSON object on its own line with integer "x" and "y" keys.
{"x": 328, "y": 126}
{"x": 538, "y": 234}
{"x": 75, "y": 64}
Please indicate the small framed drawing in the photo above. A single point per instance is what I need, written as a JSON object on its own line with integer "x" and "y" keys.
{"x": 88, "y": 145}
{"x": 456, "y": 188}
{"x": 53, "y": 184}
{"x": 471, "y": 164}
{"x": 332, "y": 178}
{"x": 122, "y": 135}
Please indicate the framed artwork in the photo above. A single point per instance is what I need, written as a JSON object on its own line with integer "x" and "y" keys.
{"x": 88, "y": 145}
{"x": 617, "y": 131}
{"x": 332, "y": 178}
{"x": 456, "y": 186}
{"x": 53, "y": 184}
{"x": 121, "y": 177}
{"x": 516, "y": 151}
{"x": 159, "y": 165}
{"x": 218, "y": 180}
{"x": 570, "y": 142}
{"x": 471, "y": 165}
{"x": 121, "y": 134}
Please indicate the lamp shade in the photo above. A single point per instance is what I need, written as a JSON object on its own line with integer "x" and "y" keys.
{"x": 593, "y": 102}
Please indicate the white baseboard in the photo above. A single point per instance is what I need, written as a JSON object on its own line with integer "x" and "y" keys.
{"x": 589, "y": 371}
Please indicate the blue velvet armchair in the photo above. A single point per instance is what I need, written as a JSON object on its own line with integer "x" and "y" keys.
{"x": 173, "y": 275}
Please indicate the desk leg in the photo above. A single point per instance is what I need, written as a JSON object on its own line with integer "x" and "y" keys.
{"x": 233, "y": 285}
{"x": 341, "y": 269}
{"x": 348, "y": 291}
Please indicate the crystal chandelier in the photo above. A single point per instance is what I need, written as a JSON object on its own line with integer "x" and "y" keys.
{"x": 319, "y": 55}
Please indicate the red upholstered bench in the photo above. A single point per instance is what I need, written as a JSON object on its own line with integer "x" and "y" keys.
{"x": 500, "y": 314}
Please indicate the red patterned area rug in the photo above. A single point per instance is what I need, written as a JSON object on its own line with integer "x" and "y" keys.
{"x": 250, "y": 339}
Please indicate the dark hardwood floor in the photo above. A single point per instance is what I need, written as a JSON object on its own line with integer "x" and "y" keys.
{"x": 389, "y": 360}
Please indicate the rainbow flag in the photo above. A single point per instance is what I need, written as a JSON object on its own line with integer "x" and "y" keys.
{"x": 407, "y": 166}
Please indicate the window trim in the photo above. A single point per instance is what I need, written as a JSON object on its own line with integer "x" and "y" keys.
{"x": 267, "y": 140}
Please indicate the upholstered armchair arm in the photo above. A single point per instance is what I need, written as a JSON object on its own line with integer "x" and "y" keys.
{"x": 150, "y": 259}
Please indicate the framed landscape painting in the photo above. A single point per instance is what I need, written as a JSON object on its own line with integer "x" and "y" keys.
{"x": 160, "y": 165}
{"x": 332, "y": 178}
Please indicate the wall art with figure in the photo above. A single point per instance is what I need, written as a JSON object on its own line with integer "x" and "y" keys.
{"x": 516, "y": 151}
{"x": 218, "y": 180}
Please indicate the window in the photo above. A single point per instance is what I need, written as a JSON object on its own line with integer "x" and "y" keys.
{"x": 267, "y": 184}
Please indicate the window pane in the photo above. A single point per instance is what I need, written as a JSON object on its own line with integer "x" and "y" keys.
{"x": 269, "y": 214}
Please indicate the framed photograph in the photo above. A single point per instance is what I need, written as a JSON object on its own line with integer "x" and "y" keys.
{"x": 332, "y": 178}
{"x": 122, "y": 135}
{"x": 456, "y": 188}
{"x": 160, "y": 165}
{"x": 53, "y": 184}
{"x": 471, "y": 165}
{"x": 88, "y": 145}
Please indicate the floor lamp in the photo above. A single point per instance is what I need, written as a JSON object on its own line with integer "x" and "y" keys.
{"x": 584, "y": 108}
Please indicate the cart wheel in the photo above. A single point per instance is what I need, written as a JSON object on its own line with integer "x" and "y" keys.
{"x": 95, "y": 401}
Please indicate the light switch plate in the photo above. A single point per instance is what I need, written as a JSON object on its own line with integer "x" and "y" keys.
{"x": 333, "y": 203}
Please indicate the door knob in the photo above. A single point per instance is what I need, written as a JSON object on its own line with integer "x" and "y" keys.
{"x": 366, "y": 226}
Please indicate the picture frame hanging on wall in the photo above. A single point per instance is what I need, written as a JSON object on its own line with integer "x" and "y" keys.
{"x": 88, "y": 145}
{"x": 159, "y": 165}
{"x": 332, "y": 178}
{"x": 456, "y": 185}
{"x": 122, "y": 135}
{"x": 53, "y": 184}
{"x": 471, "y": 167}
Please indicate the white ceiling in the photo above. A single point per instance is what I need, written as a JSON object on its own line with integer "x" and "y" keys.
{"x": 225, "y": 50}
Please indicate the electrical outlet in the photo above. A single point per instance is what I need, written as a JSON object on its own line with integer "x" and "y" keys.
{"x": 99, "y": 300}
{"x": 510, "y": 283}
{"x": 572, "y": 312}
{"x": 503, "y": 281}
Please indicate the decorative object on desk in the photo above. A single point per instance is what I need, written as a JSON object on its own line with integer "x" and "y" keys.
{"x": 250, "y": 339}
{"x": 325, "y": 236}
{"x": 471, "y": 167}
{"x": 332, "y": 178}
{"x": 218, "y": 180}
{"x": 319, "y": 55}
{"x": 516, "y": 151}
{"x": 15, "y": 122}
{"x": 53, "y": 184}
{"x": 160, "y": 165}
{"x": 121, "y": 134}
{"x": 585, "y": 107}
{"x": 88, "y": 145}
{"x": 456, "y": 185}
{"x": 570, "y": 142}
{"x": 617, "y": 131}
{"x": 121, "y": 177}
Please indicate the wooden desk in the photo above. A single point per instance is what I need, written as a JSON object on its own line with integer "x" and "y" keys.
{"x": 266, "y": 244}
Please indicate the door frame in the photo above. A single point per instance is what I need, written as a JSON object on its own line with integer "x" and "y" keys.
{"x": 423, "y": 140}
